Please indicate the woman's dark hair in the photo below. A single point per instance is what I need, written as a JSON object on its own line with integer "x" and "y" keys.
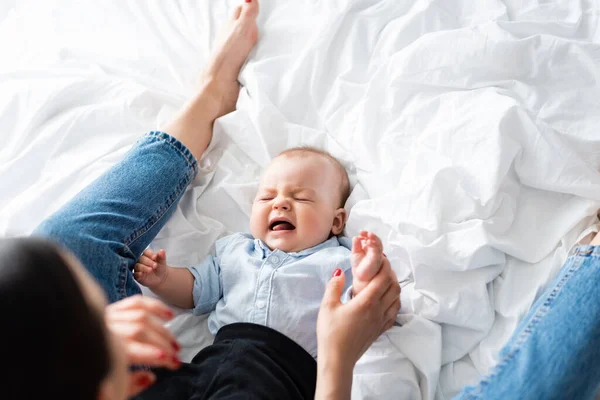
{"x": 53, "y": 342}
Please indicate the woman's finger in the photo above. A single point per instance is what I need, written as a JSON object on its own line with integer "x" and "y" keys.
{"x": 139, "y": 325}
{"x": 155, "y": 307}
{"x": 391, "y": 295}
{"x": 389, "y": 316}
{"x": 392, "y": 311}
{"x": 145, "y": 354}
{"x": 152, "y": 305}
{"x": 167, "y": 342}
{"x": 139, "y": 381}
{"x": 388, "y": 325}
{"x": 165, "y": 336}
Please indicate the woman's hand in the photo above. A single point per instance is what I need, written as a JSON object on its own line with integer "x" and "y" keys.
{"x": 349, "y": 329}
{"x": 138, "y": 321}
{"x": 345, "y": 331}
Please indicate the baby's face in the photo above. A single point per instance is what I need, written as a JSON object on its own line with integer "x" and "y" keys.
{"x": 298, "y": 203}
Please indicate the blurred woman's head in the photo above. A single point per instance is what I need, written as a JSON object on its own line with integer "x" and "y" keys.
{"x": 54, "y": 339}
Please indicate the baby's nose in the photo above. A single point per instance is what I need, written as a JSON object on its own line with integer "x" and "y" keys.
{"x": 281, "y": 204}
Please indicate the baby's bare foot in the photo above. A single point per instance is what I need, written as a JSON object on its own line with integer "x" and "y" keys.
{"x": 234, "y": 42}
{"x": 367, "y": 258}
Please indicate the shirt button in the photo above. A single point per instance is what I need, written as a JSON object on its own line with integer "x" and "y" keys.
{"x": 260, "y": 304}
{"x": 274, "y": 259}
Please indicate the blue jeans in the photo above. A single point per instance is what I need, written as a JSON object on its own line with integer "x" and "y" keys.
{"x": 553, "y": 353}
{"x": 111, "y": 222}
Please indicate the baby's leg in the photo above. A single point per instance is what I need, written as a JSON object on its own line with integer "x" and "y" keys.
{"x": 108, "y": 224}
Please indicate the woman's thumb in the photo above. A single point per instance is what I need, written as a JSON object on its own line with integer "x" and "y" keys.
{"x": 335, "y": 287}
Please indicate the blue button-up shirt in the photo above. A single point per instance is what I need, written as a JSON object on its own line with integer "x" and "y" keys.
{"x": 245, "y": 281}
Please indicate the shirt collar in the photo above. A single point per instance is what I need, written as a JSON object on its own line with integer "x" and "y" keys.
{"x": 263, "y": 250}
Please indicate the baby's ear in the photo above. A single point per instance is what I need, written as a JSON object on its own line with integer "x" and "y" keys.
{"x": 339, "y": 220}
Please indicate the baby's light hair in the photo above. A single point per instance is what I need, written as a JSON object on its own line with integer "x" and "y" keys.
{"x": 345, "y": 181}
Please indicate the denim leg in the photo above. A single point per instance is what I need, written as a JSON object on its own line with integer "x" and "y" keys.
{"x": 555, "y": 351}
{"x": 109, "y": 223}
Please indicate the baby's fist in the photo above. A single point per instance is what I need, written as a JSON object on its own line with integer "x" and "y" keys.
{"x": 151, "y": 269}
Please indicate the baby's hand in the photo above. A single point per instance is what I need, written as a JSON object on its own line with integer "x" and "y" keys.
{"x": 367, "y": 258}
{"x": 151, "y": 269}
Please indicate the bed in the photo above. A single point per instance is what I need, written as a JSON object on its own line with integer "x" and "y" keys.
{"x": 469, "y": 130}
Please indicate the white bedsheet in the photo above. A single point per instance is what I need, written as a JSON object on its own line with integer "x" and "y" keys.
{"x": 470, "y": 130}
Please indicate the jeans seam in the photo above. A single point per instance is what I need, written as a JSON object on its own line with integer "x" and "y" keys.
{"x": 527, "y": 330}
{"x": 123, "y": 279}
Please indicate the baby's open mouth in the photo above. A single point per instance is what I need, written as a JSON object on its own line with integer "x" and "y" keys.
{"x": 281, "y": 226}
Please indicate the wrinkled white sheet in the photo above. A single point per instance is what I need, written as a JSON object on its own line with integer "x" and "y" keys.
{"x": 470, "y": 130}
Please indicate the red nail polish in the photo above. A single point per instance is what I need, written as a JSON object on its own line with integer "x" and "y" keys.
{"x": 176, "y": 346}
{"x": 337, "y": 272}
{"x": 143, "y": 380}
{"x": 162, "y": 355}
{"x": 248, "y": 1}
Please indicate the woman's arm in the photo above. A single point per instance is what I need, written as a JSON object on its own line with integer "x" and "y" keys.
{"x": 346, "y": 331}
{"x": 334, "y": 378}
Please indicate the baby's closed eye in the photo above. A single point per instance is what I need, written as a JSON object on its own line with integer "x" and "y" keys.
{"x": 265, "y": 198}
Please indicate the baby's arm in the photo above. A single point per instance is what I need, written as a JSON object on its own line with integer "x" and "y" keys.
{"x": 366, "y": 258}
{"x": 173, "y": 285}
